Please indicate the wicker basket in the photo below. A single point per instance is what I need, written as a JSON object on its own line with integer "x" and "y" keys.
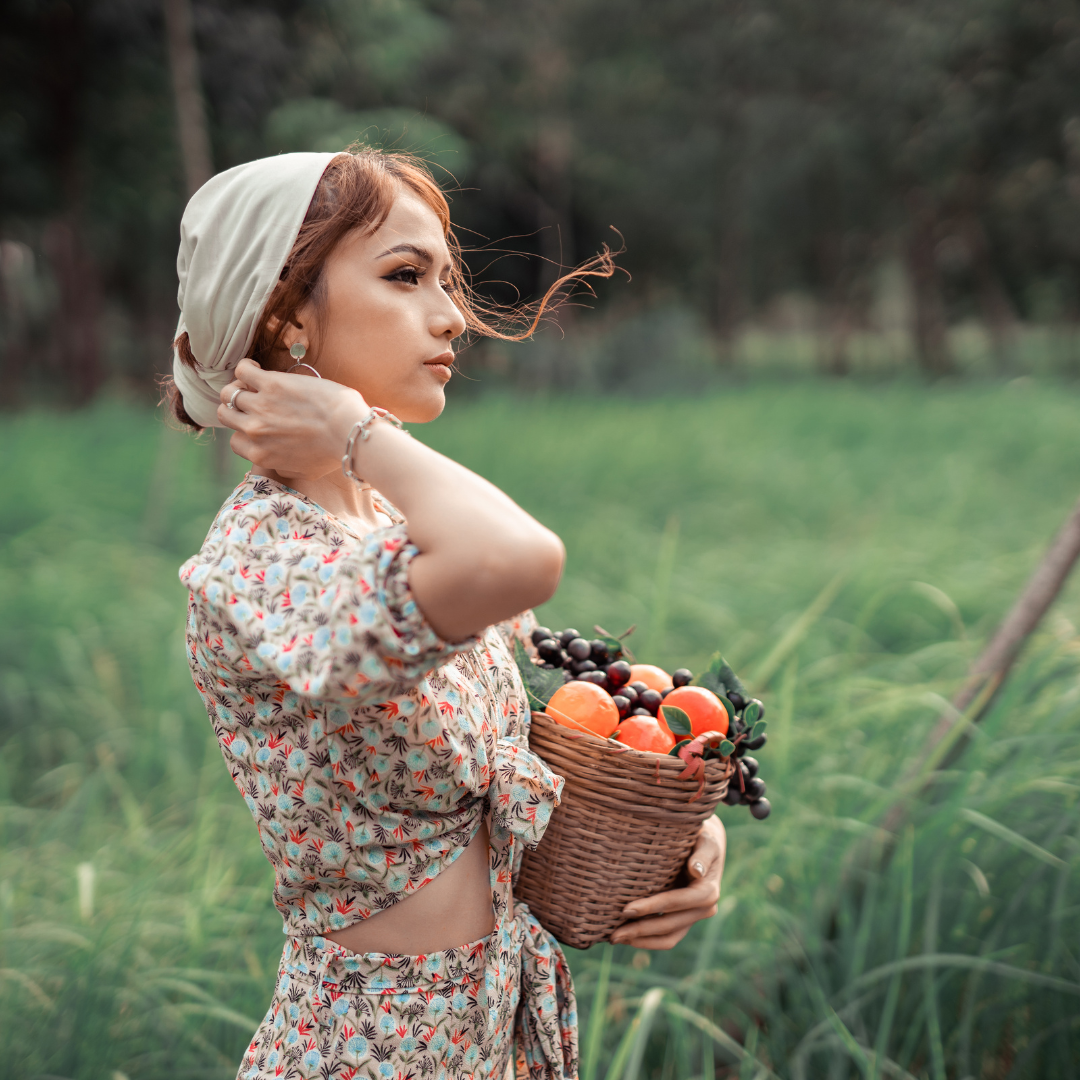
{"x": 624, "y": 830}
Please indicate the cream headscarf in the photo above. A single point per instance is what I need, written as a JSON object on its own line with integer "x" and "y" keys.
{"x": 235, "y": 236}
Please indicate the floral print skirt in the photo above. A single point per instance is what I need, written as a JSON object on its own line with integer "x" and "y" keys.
{"x": 339, "y": 1015}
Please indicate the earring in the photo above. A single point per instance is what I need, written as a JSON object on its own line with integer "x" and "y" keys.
{"x": 298, "y": 350}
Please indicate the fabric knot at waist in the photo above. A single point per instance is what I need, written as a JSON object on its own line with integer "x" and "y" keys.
{"x": 547, "y": 1028}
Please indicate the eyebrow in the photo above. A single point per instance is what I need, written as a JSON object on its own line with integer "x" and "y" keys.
{"x": 421, "y": 253}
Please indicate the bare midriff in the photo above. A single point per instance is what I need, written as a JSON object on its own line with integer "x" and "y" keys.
{"x": 452, "y": 910}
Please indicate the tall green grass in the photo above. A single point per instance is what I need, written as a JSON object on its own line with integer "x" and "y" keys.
{"x": 849, "y": 548}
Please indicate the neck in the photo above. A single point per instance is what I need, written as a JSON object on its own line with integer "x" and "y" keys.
{"x": 336, "y": 493}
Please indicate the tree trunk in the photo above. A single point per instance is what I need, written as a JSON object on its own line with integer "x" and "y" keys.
{"x": 554, "y": 146}
{"x": 78, "y": 352}
{"x": 835, "y": 321}
{"x": 930, "y": 325}
{"x": 730, "y": 304}
{"x": 835, "y": 335}
{"x": 997, "y": 310}
{"x": 990, "y": 670}
{"x": 194, "y": 138}
{"x": 74, "y": 341}
{"x": 187, "y": 94}
{"x": 16, "y": 268}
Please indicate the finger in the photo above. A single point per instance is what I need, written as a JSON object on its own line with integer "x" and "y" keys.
{"x": 231, "y": 396}
{"x": 668, "y": 941}
{"x": 239, "y": 419}
{"x": 242, "y": 446}
{"x": 705, "y": 855}
{"x": 250, "y": 373}
{"x": 654, "y": 935}
{"x": 697, "y": 894}
{"x": 704, "y": 867}
{"x": 660, "y": 925}
{"x": 230, "y": 418}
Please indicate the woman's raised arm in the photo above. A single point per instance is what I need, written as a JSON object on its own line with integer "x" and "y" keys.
{"x": 481, "y": 557}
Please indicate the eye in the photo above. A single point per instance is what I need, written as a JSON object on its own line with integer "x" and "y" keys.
{"x": 410, "y": 275}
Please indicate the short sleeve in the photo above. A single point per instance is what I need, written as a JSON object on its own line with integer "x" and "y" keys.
{"x": 275, "y": 590}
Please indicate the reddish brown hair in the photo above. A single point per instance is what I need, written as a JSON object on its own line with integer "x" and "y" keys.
{"x": 357, "y": 191}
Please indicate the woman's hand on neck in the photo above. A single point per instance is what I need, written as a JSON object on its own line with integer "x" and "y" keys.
{"x": 480, "y": 557}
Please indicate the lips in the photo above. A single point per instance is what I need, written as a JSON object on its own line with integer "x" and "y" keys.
{"x": 440, "y": 365}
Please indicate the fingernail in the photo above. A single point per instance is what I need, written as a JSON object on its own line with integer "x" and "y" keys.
{"x": 630, "y": 912}
{"x": 699, "y": 868}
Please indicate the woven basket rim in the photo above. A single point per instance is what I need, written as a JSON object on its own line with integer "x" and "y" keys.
{"x": 626, "y": 754}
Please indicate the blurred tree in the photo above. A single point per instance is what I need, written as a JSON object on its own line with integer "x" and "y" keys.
{"x": 745, "y": 148}
{"x": 188, "y": 94}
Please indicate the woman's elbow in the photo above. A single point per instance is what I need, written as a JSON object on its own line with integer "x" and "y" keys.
{"x": 529, "y": 570}
{"x": 548, "y": 561}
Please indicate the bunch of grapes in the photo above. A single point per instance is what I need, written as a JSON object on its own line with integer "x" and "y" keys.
{"x": 747, "y": 787}
{"x": 601, "y": 662}
{"x": 592, "y": 661}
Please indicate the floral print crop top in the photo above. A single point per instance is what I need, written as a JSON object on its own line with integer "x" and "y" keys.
{"x": 367, "y": 749}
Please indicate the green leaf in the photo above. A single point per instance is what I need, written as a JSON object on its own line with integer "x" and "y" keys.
{"x": 758, "y": 729}
{"x": 677, "y": 720}
{"x": 709, "y": 681}
{"x": 727, "y": 748}
{"x": 674, "y": 751}
{"x": 614, "y": 645}
{"x": 751, "y": 713}
{"x": 719, "y": 678}
{"x": 627, "y": 654}
{"x": 726, "y": 675}
{"x": 540, "y": 684}
{"x": 616, "y": 648}
{"x": 727, "y": 705}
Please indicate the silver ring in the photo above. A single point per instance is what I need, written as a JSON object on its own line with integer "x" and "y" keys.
{"x": 231, "y": 403}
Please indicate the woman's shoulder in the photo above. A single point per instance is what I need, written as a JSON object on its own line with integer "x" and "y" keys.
{"x": 265, "y": 518}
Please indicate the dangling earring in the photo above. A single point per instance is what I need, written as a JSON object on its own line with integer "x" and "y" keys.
{"x": 298, "y": 350}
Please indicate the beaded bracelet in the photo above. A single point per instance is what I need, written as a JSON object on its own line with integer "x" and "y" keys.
{"x": 362, "y": 429}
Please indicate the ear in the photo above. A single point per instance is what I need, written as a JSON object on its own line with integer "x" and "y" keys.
{"x": 293, "y": 332}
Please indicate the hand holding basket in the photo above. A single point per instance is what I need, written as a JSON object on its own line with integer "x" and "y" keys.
{"x": 628, "y": 819}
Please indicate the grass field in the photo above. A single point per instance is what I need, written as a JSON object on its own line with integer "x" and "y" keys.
{"x": 137, "y": 937}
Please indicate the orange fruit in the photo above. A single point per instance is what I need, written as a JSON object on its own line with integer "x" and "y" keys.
{"x": 705, "y": 709}
{"x": 583, "y": 706}
{"x": 655, "y": 678}
{"x": 644, "y": 733}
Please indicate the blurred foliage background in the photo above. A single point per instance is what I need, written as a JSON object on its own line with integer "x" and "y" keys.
{"x": 839, "y": 185}
{"x": 137, "y": 934}
{"x": 844, "y": 429}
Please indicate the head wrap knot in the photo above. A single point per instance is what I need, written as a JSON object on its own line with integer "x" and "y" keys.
{"x": 235, "y": 236}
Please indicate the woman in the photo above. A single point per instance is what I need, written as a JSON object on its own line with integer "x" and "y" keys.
{"x": 349, "y": 626}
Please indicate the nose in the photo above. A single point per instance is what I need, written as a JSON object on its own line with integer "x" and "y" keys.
{"x": 447, "y": 319}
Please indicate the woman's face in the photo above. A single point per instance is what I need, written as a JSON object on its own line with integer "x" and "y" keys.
{"x": 387, "y": 318}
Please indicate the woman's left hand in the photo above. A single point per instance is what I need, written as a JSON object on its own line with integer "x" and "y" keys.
{"x": 662, "y": 921}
